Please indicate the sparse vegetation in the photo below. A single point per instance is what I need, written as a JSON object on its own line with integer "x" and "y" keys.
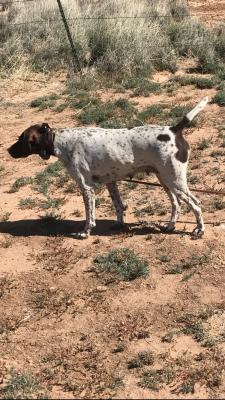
{"x": 143, "y": 358}
{"x": 142, "y": 86}
{"x": 45, "y": 102}
{"x": 218, "y": 204}
{"x": 194, "y": 261}
{"x": 219, "y": 98}
{"x": 154, "y": 379}
{"x": 149, "y": 112}
{"x": 124, "y": 263}
{"x": 198, "y": 81}
{"x": 106, "y": 42}
{"x": 20, "y": 182}
{"x": 204, "y": 144}
{"x": 27, "y": 203}
{"x": 20, "y": 386}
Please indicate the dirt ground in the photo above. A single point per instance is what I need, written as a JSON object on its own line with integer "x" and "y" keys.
{"x": 67, "y": 331}
{"x": 210, "y": 11}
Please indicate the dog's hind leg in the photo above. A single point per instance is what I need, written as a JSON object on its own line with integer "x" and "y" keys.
{"x": 175, "y": 204}
{"x": 186, "y": 197}
{"x": 117, "y": 202}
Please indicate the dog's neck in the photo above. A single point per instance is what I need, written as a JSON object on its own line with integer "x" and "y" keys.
{"x": 63, "y": 143}
{"x": 51, "y": 139}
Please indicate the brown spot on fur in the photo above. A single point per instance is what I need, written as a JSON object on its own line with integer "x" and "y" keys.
{"x": 183, "y": 148}
{"x": 184, "y": 123}
{"x": 163, "y": 138}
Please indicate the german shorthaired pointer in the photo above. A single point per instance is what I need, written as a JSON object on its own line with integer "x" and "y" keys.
{"x": 109, "y": 155}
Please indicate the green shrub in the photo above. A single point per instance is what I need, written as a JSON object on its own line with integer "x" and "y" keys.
{"x": 124, "y": 263}
{"x": 44, "y": 102}
{"x": 204, "y": 144}
{"x": 141, "y": 86}
{"x": 199, "y": 82}
{"x": 153, "y": 111}
{"x": 20, "y": 182}
{"x": 219, "y": 98}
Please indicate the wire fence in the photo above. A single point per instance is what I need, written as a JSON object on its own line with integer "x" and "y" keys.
{"x": 62, "y": 18}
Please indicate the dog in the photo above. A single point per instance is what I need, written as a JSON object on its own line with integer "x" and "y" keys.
{"x": 96, "y": 155}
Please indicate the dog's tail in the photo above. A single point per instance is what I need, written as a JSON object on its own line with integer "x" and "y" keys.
{"x": 185, "y": 122}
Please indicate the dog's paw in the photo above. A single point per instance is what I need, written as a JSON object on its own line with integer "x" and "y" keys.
{"x": 197, "y": 233}
{"x": 80, "y": 235}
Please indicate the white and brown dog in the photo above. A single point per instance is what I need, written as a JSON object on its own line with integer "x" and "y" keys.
{"x": 109, "y": 155}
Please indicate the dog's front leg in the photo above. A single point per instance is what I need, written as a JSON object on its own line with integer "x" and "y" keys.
{"x": 89, "y": 203}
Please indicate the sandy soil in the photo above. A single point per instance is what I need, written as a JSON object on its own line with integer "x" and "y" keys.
{"x": 75, "y": 330}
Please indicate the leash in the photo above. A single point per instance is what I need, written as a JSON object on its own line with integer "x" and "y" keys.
{"x": 210, "y": 191}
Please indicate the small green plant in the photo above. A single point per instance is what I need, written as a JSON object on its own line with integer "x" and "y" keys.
{"x": 98, "y": 201}
{"x": 193, "y": 262}
{"x": 20, "y": 182}
{"x": 19, "y": 386}
{"x": 199, "y": 82}
{"x": 153, "y": 111}
{"x": 217, "y": 153}
{"x": 60, "y": 108}
{"x": 95, "y": 114}
{"x": 164, "y": 258}
{"x": 143, "y": 358}
{"x": 43, "y": 179}
{"x": 114, "y": 114}
{"x": 27, "y": 203}
{"x": 179, "y": 111}
{"x": 82, "y": 100}
{"x": 154, "y": 379}
{"x": 45, "y": 102}
{"x": 193, "y": 179}
{"x": 141, "y": 86}
{"x": 218, "y": 204}
{"x": 124, "y": 263}
{"x": 125, "y": 105}
{"x": 219, "y": 98}
{"x": 195, "y": 329}
{"x": 116, "y": 383}
{"x": 51, "y": 203}
{"x": 204, "y": 144}
{"x": 187, "y": 387}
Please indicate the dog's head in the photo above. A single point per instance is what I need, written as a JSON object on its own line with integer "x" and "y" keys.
{"x": 37, "y": 139}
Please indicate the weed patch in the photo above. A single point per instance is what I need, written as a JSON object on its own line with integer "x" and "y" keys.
{"x": 20, "y": 182}
{"x": 45, "y": 102}
{"x": 124, "y": 263}
{"x": 219, "y": 98}
{"x": 143, "y": 358}
{"x": 20, "y": 386}
{"x": 141, "y": 86}
{"x": 27, "y": 203}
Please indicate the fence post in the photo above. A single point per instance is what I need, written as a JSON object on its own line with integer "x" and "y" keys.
{"x": 76, "y": 62}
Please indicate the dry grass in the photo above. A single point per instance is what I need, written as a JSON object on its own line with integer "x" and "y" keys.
{"x": 152, "y": 35}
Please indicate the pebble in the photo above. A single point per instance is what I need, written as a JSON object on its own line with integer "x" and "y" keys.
{"x": 101, "y": 288}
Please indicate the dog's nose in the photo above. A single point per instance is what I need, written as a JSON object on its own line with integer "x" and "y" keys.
{"x": 11, "y": 150}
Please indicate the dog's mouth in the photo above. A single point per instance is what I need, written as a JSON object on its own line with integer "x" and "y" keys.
{"x": 44, "y": 154}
